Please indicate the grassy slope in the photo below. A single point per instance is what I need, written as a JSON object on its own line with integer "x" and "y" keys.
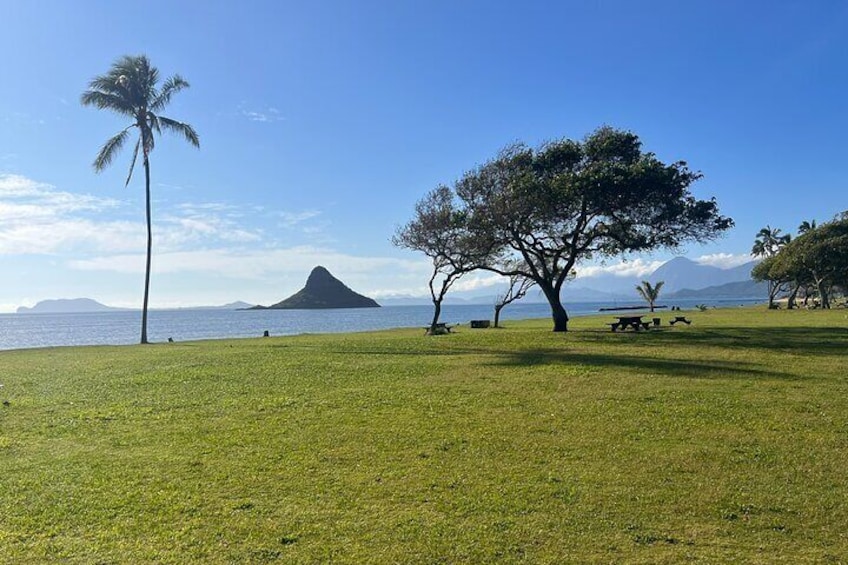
{"x": 723, "y": 441}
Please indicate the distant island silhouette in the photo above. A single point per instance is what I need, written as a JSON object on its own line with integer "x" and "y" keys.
{"x": 322, "y": 290}
{"x": 67, "y": 306}
{"x": 88, "y": 305}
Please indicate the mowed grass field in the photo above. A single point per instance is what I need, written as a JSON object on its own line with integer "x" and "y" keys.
{"x": 721, "y": 442}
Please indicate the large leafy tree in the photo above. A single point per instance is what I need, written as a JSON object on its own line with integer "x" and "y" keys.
{"x": 819, "y": 256}
{"x": 768, "y": 243}
{"x": 131, "y": 89}
{"x": 779, "y": 274}
{"x": 567, "y": 202}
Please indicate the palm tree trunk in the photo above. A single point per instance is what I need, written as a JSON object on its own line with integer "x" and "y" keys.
{"x": 149, "y": 251}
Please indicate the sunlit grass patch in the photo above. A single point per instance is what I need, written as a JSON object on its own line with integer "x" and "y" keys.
{"x": 722, "y": 441}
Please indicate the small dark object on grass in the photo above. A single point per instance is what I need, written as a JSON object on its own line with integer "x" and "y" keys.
{"x": 170, "y": 340}
{"x": 6, "y": 403}
{"x": 480, "y": 323}
{"x": 266, "y": 334}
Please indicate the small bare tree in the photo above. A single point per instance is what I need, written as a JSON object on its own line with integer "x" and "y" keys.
{"x": 518, "y": 287}
{"x": 439, "y": 230}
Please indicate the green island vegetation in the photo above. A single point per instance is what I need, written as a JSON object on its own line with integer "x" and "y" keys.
{"x": 723, "y": 441}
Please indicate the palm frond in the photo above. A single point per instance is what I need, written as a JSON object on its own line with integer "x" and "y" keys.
{"x": 171, "y": 86}
{"x": 107, "y": 101}
{"x": 109, "y": 150}
{"x": 153, "y": 120}
{"x": 180, "y": 128}
{"x": 132, "y": 163}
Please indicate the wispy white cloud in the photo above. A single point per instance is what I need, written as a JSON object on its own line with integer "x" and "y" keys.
{"x": 36, "y": 237}
{"x": 37, "y": 218}
{"x": 247, "y": 264}
{"x": 724, "y": 260}
{"x": 264, "y": 115}
{"x": 13, "y": 188}
{"x": 291, "y": 220}
{"x": 478, "y": 281}
{"x": 634, "y": 268}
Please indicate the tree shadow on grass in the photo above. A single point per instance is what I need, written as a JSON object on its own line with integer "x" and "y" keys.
{"x": 824, "y": 340}
{"x": 627, "y": 365}
{"x": 636, "y": 351}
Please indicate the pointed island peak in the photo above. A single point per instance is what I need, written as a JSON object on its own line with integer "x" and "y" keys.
{"x": 323, "y": 290}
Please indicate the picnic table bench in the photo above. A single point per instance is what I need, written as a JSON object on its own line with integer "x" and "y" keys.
{"x": 680, "y": 319}
{"x": 440, "y": 328}
{"x": 634, "y": 322}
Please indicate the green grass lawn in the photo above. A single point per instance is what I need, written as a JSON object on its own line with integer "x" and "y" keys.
{"x": 721, "y": 442}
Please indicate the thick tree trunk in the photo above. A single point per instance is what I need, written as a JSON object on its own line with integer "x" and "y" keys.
{"x": 792, "y": 297}
{"x": 149, "y": 252}
{"x": 772, "y": 290}
{"x": 558, "y": 313}
{"x": 437, "y": 310}
{"x": 824, "y": 296}
{"x": 498, "y": 309}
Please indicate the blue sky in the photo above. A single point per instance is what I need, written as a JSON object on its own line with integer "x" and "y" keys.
{"x": 322, "y": 123}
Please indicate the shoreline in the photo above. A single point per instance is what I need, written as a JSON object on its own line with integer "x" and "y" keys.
{"x": 259, "y": 333}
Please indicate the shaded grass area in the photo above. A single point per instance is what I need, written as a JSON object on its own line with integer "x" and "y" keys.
{"x": 723, "y": 441}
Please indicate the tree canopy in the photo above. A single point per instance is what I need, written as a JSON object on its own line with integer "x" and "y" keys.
{"x": 568, "y": 201}
{"x": 818, "y": 257}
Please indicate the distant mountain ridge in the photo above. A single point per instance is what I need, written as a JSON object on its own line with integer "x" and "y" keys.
{"x": 682, "y": 273}
{"x": 739, "y": 289}
{"x": 683, "y": 278}
{"x": 678, "y": 274}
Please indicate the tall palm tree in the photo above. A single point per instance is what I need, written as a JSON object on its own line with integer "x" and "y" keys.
{"x": 650, "y": 293}
{"x": 130, "y": 89}
{"x": 768, "y": 243}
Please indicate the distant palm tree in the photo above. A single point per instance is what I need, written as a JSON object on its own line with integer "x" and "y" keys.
{"x": 768, "y": 243}
{"x": 806, "y": 226}
{"x": 650, "y": 293}
{"x": 130, "y": 89}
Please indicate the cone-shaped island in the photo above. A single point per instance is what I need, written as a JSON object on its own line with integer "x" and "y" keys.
{"x": 323, "y": 290}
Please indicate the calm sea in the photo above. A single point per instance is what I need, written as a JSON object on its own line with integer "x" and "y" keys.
{"x": 18, "y": 331}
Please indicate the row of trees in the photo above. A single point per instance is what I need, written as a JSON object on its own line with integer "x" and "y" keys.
{"x": 535, "y": 214}
{"x": 813, "y": 263}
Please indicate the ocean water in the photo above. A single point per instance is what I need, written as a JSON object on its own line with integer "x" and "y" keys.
{"x": 19, "y": 331}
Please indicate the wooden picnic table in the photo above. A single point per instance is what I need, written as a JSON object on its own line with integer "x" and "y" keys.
{"x": 634, "y": 322}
